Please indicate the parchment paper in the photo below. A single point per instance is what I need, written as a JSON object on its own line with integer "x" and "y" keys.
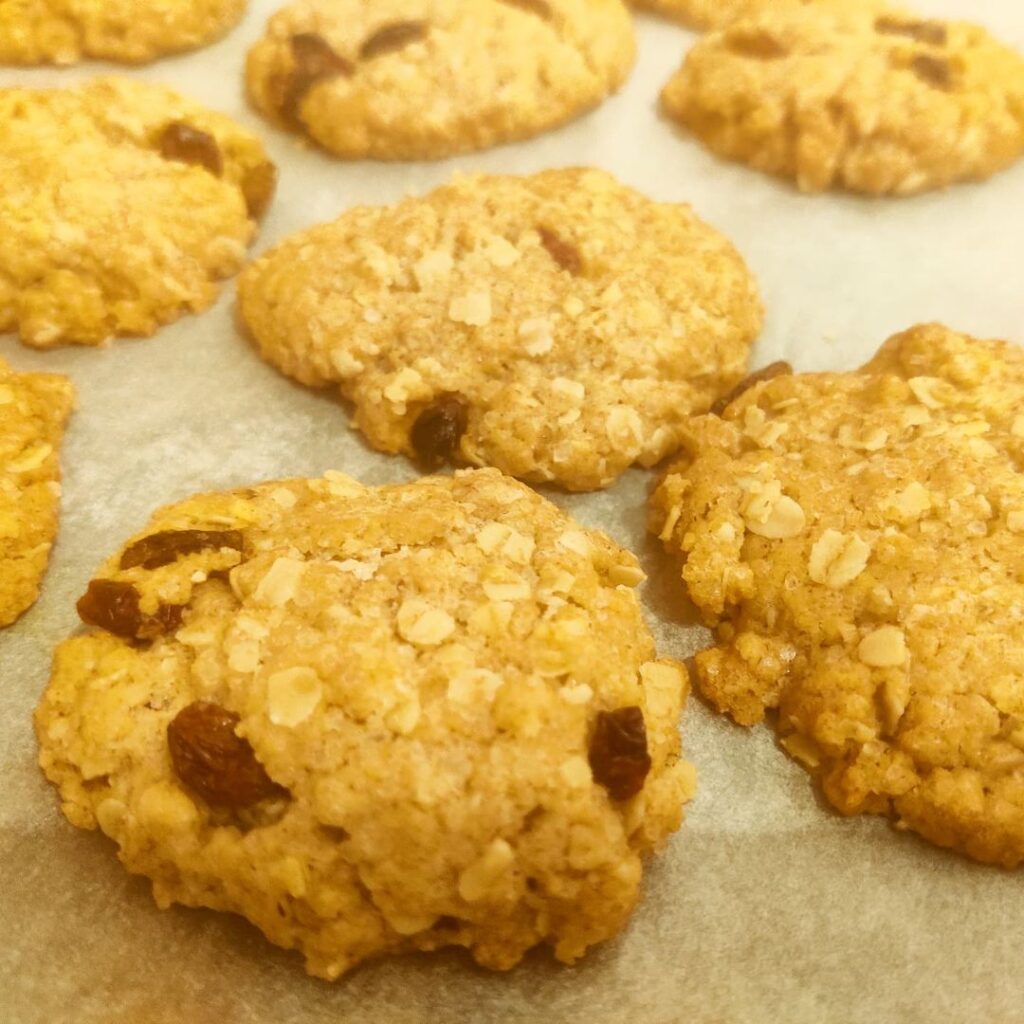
{"x": 766, "y": 906}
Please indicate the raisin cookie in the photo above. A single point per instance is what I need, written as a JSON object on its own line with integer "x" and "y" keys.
{"x": 421, "y": 79}
{"x": 560, "y": 327}
{"x": 857, "y": 542}
{"x": 374, "y": 719}
{"x": 33, "y": 410}
{"x": 67, "y": 31}
{"x": 838, "y": 95}
{"x": 122, "y": 206}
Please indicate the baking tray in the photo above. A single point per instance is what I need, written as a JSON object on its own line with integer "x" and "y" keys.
{"x": 766, "y": 906}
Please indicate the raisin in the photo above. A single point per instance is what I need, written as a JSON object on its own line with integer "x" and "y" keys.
{"x": 933, "y": 32}
{"x": 563, "y": 253}
{"x": 114, "y": 606}
{"x": 438, "y": 429}
{"x": 188, "y": 145}
{"x": 778, "y": 369}
{"x": 258, "y": 186}
{"x": 618, "y": 752}
{"x": 755, "y": 44}
{"x": 392, "y": 37}
{"x": 214, "y": 761}
{"x": 163, "y": 548}
{"x": 539, "y": 7}
{"x": 314, "y": 62}
{"x": 934, "y": 71}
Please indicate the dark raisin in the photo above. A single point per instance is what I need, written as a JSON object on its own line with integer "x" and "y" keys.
{"x": 756, "y": 44}
{"x": 438, "y": 429}
{"x": 210, "y": 758}
{"x": 539, "y": 7}
{"x": 563, "y": 253}
{"x": 778, "y": 369}
{"x": 933, "y": 32}
{"x": 114, "y": 606}
{"x": 188, "y": 145}
{"x": 336, "y": 833}
{"x": 258, "y": 186}
{"x": 392, "y": 37}
{"x": 933, "y": 70}
{"x": 314, "y": 62}
{"x": 618, "y": 752}
{"x": 163, "y": 548}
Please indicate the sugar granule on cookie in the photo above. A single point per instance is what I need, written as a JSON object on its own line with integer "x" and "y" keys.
{"x": 123, "y": 205}
{"x": 560, "y": 327}
{"x": 67, "y": 31}
{"x": 33, "y": 410}
{"x": 856, "y": 540}
{"x": 374, "y": 720}
{"x": 421, "y": 79}
{"x": 854, "y": 96}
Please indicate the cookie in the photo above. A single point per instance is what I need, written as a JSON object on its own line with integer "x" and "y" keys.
{"x": 837, "y": 95}
{"x": 374, "y": 720}
{"x": 422, "y": 79}
{"x": 33, "y": 410}
{"x": 67, "y": 31}
{"x": 856, "y": 540}
{"x": 123, "y": 205}
{"x": 560, "y": 327}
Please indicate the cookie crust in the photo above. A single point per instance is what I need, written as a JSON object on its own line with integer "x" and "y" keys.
{"x": 67, "y": 31}
{"x": 855, "y": 541}
{"x": 123, "y": 206}
{"x": 418, "y": 672}
{"x": 424, "y": 79}
{"x": 578, "y": 322}
{"x": 837, "y": 95}
{"x": 34, "y": 408}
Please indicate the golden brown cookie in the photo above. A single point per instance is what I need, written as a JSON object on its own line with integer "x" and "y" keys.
{"x": 374, "y": 720}
{"x": 123, "y": 204}
{"x": 33, "y": 410}
{"x": 838, "y": 95}
{"x": 857, "y": 542}
{"x": 416, "y": 79}
{"x": 67, "y": 31}
{"x": 560, "y": 327}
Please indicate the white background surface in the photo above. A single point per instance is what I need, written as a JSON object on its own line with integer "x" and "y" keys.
{"x": 766, "y": 907}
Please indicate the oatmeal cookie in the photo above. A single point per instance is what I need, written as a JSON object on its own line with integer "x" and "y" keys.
{"x": 838, "y": 95}
{"x": 67, "y": 31}
{"x": 374, "y": 719}
{"x": 33, "y": 410}
{"x": 560, "y": 327}
{"x": 123, "y": 204}
{"x": 421, "y": 79}
{"x": 857, "y": 542}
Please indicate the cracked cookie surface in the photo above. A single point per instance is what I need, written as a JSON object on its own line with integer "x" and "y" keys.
{"x": 856, "y": 540}
{"x": 67, "y": 31}
{"x": 123, "y": 206}
{"x": 856, "y": 97}
{"x": 560, "y": 327}
{"x": 33, "y": 410}
{"x": 422, "y": 79}
{"x": 374, "y": 720}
